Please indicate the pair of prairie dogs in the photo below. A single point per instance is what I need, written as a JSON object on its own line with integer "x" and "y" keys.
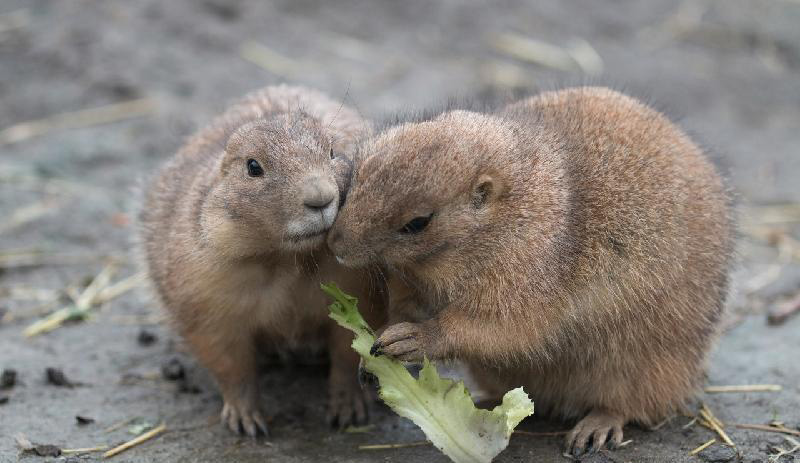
{"x": 575, "y": 243}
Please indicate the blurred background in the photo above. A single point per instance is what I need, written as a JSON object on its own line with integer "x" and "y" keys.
{"x": 95, "y": 95}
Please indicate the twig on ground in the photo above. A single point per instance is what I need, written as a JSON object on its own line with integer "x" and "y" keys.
{"x": 22, "y": 441}
{"x": 120, "y": 424}
{"x": 710, "y": 421}
{"x": 77, "y": 119}
{"x": 136, "y": 441}
{"x": 119, "y": 288}
{"x": 690, "y": 423}
{"x": 21, "y": 258}
{"x": 359, "y": 429}
{"x": 763, "y": 427}
{"x": 393, "y": 446}
{"x": 703, "y": 447}
{"x": 534, "y": 51}
{"x": 99, "y": 448}
{"x": 27, "y": 213}
{"x": 781, "y": 452}
{"x": 79, "y": 309}
{"x": 661, "y": 424}
{"x": 783, "y": 311}
{"x": 270, "y": 60}
{"x": 776, "y": 213}
{"x": 744, "y": 388}
{"x": 763, "y": 279}
{"x": 27, "y": 293}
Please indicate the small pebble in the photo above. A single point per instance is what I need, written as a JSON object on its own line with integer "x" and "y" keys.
{"x": 3, "y": 399}
{"x": 8, "y": 379}
{"x": 47, "y": 450}
{"x": 56, "y": 377}
{"x": 187, "y": 388}
{"x": 173, "y": 370}
{"x": 719, "y": 454}
{"x": 146, "y": 338}
{"x": 83, "y": 420}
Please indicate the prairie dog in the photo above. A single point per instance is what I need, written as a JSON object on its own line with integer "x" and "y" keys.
{"x": 576, "y": 243}
{"x": 233, "y": 230}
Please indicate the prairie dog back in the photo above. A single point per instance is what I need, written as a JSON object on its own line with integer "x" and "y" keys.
{"x": 576, "y": 243}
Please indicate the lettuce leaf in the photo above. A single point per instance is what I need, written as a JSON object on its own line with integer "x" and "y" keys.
{"x": 441, "y": 407}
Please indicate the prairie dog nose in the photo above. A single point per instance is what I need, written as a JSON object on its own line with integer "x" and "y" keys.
{"x": 317, "y": 192}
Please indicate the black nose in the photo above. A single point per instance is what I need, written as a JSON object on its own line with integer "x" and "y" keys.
{"x": 316, "y": 203}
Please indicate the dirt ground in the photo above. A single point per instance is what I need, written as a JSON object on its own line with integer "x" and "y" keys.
{"x": 727, "y": 70}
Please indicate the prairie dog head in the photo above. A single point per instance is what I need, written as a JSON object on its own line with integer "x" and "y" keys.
{"x": 277, "y": 189}
{"x": 425, "y": 192}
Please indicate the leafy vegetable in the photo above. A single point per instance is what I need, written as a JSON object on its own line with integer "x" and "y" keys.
{"x": 441, "y": 407}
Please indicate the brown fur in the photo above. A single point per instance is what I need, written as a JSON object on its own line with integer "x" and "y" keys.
{"x": 579, "y": 246}
{"x": 236, "y": 258}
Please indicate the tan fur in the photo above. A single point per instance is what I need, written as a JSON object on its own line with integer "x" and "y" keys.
{"x": 579, "y": 246}
{"x": 239, "y": 259}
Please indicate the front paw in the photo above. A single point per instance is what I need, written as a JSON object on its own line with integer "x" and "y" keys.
{"x": 593, "y": 432}
{"x": 347, "y": 405}
{"x": 403, "y": 341}
{"x": 242, "y": 412}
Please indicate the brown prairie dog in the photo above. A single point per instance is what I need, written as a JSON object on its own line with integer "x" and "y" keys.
{"x": 575, "y": 243}
{"x": 233, "y": 231}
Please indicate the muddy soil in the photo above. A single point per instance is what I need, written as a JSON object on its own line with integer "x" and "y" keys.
{"x": 727, "y": 70}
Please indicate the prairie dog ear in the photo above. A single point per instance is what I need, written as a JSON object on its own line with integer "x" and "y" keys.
{"x": 486, "y": 190}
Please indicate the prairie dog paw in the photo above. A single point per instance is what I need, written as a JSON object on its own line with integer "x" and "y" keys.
{"x": 593, "y": 432}
{"x": 347, "y": 405}
{"x": 402, "y": 341}
{"x": 243, "y": 414}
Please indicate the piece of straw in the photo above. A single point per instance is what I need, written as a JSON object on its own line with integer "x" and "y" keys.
{"x": 77, "y": 119}
{"x": 710, "y": 421}
{"x": 534, "y": 51}
{"x": 120, "y": 424}
{"x": 783, "y": 311}
{"x": 269, "y": 59}
{"x": 702, "y": 447}
{"x": 781, "y": 451}
{"x": 136, "y": 441}
{"x": 99, "y": 448}
{"x": 393, "y": 446}
{"x": 744, "y": 388}
{"x": 27, "y": 214}
{"x": 763, "y": 427}
{"x": 119, "y": 288}
{"x": 81, "y": 306}
{"x": 19, "y": 258}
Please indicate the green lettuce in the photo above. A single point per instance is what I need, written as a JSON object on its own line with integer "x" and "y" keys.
{"x": 441, "y": 407}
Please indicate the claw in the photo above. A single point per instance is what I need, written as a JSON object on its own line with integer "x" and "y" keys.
{"x": 261, "y": 423}
{"x": 375, "y": 350}
{"x": 240, "y": 419}
{"x": 346, "y": 406}
{"x": 365, "y": 378}
{"x": 595, "y": 427}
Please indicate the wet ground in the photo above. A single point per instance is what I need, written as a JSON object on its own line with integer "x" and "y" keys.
{"x": 727, "y": 70}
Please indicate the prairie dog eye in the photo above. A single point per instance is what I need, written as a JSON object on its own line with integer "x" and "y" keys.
{"x": 416, "y": 225}
{"x": 254, "y": 168}
{"x": 332, "y": 155}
